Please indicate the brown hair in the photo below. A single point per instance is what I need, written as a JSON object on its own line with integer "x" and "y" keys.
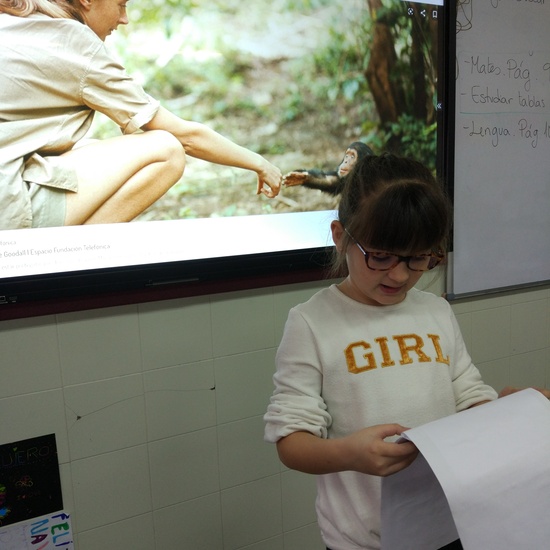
{"x": 393, "y": 204}
{"x": 57, "y": 9}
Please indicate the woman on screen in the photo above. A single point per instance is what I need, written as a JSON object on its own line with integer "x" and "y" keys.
{"x": 56, "y": 73}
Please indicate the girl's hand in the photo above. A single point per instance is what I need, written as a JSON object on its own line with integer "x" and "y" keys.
{"x": 365, "y": 451}
{"x": 269, "y": 180}
{"x": 371, "y": 454}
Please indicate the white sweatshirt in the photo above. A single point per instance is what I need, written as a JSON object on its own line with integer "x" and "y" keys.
{"x": 343, "y": 366}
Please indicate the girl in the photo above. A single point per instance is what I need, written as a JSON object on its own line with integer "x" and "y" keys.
{"x": 55, "y": 74}
{"x": 364, "y": 359}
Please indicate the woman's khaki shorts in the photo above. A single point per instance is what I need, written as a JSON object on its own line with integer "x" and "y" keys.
{"x": 48, "y": 205}
{"x": 49, "y": 179}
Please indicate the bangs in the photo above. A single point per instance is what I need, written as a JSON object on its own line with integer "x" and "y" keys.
{"x": 405, "y": 217}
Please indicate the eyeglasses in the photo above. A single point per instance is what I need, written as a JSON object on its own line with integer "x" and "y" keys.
{"x": 384, "y": 261}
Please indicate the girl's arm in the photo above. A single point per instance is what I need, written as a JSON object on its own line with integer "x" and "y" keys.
{"x": 202, "y": 142}
{"x": 364, "y": 451}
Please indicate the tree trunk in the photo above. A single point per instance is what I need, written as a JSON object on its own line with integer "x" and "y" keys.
{"x": 393, "y": 96}
{"x": 388, "y": 95}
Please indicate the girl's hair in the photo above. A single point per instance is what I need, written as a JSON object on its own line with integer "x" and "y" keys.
{"x": 58, "y": 9}
{"x": 392, "y": 204}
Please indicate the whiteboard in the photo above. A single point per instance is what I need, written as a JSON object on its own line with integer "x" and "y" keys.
{"x": 501, "y": 236}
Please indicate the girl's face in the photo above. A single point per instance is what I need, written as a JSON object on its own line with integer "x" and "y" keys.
{"x": 104, "y": 16}
{"x": 350, "y": 158}
{"x": 375, "y": 288}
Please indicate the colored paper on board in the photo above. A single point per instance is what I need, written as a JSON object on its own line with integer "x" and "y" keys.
{"x": 45, "y": 532}
{"x": 30, "y": 484}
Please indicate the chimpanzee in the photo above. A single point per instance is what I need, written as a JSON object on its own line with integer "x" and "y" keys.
{"x": 332, "y": 181}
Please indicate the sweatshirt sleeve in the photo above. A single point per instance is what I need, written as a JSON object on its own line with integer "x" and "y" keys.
{"x": 297, "y": 403}
{"x": 468, "y": 385}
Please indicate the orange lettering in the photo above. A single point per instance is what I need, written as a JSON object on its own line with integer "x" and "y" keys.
{"x": 352, "y": 353}
{"x": 387, "y": 360}
{"x": 440, "y": 359}
{"x": 416, "y": 346}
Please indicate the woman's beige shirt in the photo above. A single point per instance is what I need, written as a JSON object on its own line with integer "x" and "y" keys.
{"x": 55, "y": 73}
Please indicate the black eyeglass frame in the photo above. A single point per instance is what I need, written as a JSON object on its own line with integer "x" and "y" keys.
{"x": 437, "y": 258}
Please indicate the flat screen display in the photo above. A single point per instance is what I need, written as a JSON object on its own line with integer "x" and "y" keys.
{"x": 296, "y": 81}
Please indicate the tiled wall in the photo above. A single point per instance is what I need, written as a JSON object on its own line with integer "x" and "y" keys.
{"x": 157, "y": 410}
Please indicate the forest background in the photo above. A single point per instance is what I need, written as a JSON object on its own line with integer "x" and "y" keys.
{"x": 294, "y": 80}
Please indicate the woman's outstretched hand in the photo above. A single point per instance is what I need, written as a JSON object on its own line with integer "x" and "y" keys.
{"x": 269, "y": 180}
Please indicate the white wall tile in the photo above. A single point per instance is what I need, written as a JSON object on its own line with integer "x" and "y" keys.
{"x": 244, "y": 456}
{"x": 529, "y": 326}
{"x": 105, "y": 416}
{"x": 496, "y": 373}
{"x": 465, "y": 323}
{"x": 275, "y": 543}
{"x": 180, "y": 399}
{"x": 491, "y": 331}
{"x": 534, "y": 294}
{"x": 30, "y": 356}
{"x": 184, "y": 467}
{"x": 529, "y": 369}
{"x": 33, "y": 415}
{"x": 251, "y": 513}
{"x": 478, "y": 303}
{"x": 175, "y": 332}
{"x": 192, "y": 525}
{"x": 111, "y": 487}
{"x": 298, "y": 496}
{"x": 244, "y": 384}
{"x": 242, "y": 321}
{"x": 67, "y": 489}
{"x": 136, "y": 533}
{"x": 305, "y": 538}
{"x": 492, "y": 301}
{"x": 98, "y": 344}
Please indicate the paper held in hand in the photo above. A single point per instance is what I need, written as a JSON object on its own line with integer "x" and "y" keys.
{"x": 483, "y": 475}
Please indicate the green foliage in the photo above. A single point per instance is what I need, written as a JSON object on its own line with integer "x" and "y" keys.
{"x": 413, "y": 138}
{"x": 306, "y": 5}
{"x": 339, "y": 72}
{"x": 406, "y": 69}
{"x": 331, "y": 83}
{"x": 163, "y": 14}
{"x": 293, "y": 105}
{"x": 215, "y": 79}
{"x": 411, "y": 135}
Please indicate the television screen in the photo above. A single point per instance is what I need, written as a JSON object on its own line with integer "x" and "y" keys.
{"x": 294, "y": 80}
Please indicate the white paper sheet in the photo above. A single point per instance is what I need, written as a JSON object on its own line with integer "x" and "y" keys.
{"x": 491, "y": 464}
{"x": 49, "y": 532}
